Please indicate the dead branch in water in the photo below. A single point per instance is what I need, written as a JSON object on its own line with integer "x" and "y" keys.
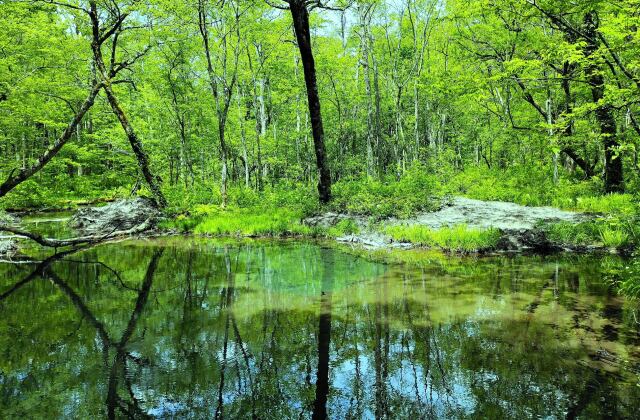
{"x": 83, "y": 240}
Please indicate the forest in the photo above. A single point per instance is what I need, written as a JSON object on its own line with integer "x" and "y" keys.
{"x": 220, "y": 102}
{"x": 463, "y": 139}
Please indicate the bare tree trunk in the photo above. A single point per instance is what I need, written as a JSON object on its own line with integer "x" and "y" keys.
{"x": 299, "y": 136}
{"x": 99, "y": 36}
{"x": 365, "y": 46}
{"x": 222, "y": 107}
{"x": 613, "y": 176}
{"x": 300, "y": 16}
{"x": 549, "y": 109}
{"x": 243, "y": 138}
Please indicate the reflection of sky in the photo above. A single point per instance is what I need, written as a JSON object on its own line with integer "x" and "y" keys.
{"x": 409, "y": 383}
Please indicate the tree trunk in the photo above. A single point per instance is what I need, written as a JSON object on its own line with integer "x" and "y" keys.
{"x": 222, "y": 109}
{"x": 138, "y": 149}
{"x": 613, "y": 170}
{"x": 107, "y": 75}
{"x": 371, "y": 126}
{"x": 300, "y": 16}
{"x": 243, "y": 138}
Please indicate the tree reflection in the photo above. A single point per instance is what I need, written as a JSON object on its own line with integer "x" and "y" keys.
{"x": 241, "y": 332}
{"x": 324, "y": 337}
{"x": 119, "y": 362}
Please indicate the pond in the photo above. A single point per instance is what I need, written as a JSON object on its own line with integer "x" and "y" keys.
{"x": 204, "y": 328}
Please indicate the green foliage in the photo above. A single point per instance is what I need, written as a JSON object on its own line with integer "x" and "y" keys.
{"x": 30, "y": 194}
{"x": 574, "y": 234}
{"x": 247, "y": 222}
{"x": 625, "y": 275}
{"x": 613, "y": 238}
{"x": 619, "y": 204}
{"x": 611, "y": 232}
{"x": 415, "y": 191}
{"x": 343, "y": 228}
{"x": 534, "y": 187}
{"x": 459, "y": 238}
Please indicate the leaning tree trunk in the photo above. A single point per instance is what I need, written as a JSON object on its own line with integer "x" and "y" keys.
{"x": 613, "y": 170}
{"x": 300, "y": 16}
{"x": 99, "y": 37}
{"x": 136, "y": 145}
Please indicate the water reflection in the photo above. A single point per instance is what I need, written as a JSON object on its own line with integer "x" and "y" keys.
{"x": 324, "y": 336}
{"x": 210, "y": 329}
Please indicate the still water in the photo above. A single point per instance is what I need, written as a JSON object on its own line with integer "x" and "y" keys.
{"x": 201, "y": 328}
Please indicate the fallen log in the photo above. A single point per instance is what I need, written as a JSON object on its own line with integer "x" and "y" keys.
{"x": 83, "y": 240}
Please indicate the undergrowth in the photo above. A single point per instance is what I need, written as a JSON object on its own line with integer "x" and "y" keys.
{"x": 459, "y": 238}
{"x": 263, "y": 222}
{"x": 535, "y": 187}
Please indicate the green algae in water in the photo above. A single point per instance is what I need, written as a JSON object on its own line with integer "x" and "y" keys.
{"x": 181, "y": 327}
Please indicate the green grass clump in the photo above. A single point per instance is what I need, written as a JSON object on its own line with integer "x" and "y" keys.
{"x": 624, "y": 274}
{"x": 609, "y": 232}
{"x": 343, "y": 228}
{"x": 620, "y": 204}
{"x": 458, "y": 238}
{"x": 535, "y": 187}
{"x": 613, "y": 238}
{"x": 247, "y": 222}
{"x": 587, "y": 233}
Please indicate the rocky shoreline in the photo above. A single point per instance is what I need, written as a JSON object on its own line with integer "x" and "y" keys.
{"x": 520, "y": 227}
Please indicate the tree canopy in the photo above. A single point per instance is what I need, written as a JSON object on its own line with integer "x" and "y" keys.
{"x": 98, "y": 98}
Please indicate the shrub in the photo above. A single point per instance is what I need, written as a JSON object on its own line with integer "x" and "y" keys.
{"x": 611, "y": 232}
{"x": 415, "y": 191}
{"x": 621, "y": 204}
{"x": 344, "y": 227}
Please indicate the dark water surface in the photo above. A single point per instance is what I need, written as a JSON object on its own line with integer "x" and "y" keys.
{"x": 197, "y": 328}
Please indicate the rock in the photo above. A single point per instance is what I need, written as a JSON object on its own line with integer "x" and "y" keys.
{"x": 494, "y": 214}
{"x": 7, "y": 219}
{"x": 325, "y": 220}
{"x": 520, "y": 226}
{"x": 122, "y": 215}
{"x": 8, "y": 247}
{"x": 372, "y": 240}
{"x": 526, "y": 240}
{"x": 8, "y": 243}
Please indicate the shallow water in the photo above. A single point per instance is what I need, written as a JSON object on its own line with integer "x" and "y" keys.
{"x": 200, "y": 328}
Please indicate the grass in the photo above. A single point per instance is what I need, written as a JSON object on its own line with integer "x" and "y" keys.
{"x": 415, "y": 191}
{"x": 343, "y": 228}
{"x": 254, "y": 222}
{"x": 610, "y": 232}
{"x": 246, "y": 222}
{"x": 612, "y": 238}
{"x": 573, "y": 234}
{"x": 535, "y": 187}
{"x": 615, "y": 204}
{"x": 459, "y": 238}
